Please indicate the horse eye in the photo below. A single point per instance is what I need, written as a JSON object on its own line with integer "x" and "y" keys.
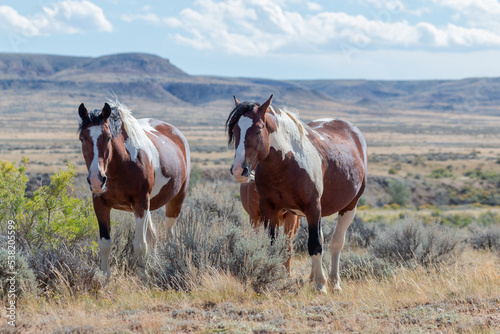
{"x": 258, "y": 132}
{"x": 81, "y": 140}
{"x": 109, "y": 139}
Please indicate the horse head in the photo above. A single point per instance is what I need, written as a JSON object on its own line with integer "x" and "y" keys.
{"x": 247, "y": 128}
{"x": 96, "y": 136}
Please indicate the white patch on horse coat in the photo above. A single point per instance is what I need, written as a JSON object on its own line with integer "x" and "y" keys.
{"x": 160, "y": 179}
{"x": 140, "y": 238}
{"x": 323, "y": 120}
{"x": 337, "y": 244}
{"x": 170, "y": 223}
{"x": 138, "y": 139}
{"x": 288, "y": 138}
{"x": 137, "y": 134}
{"x": 298, "y": 213}
{"x": 105, "y": 248}
{"x": 317, "y": 273}
{"x": 244, "y": 123}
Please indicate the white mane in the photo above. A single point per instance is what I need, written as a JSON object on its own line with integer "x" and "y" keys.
{"x": 136, "y": 134}
{"x": 293, "y": 115}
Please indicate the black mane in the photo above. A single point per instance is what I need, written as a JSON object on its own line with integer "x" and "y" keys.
{"x": 95, "y": 118}
{"x": 238, "y": 111}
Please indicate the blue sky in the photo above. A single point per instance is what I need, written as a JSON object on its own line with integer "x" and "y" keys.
{"x": 280, "y": 39}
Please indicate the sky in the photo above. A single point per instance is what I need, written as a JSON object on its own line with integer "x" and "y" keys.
{"x": 276, "y": 39}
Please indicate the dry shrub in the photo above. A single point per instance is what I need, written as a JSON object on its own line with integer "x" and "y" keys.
{"x": 361, "y": 234}
{"x": 484, "y": 237}
{"x": 357, "y": 267}
{"x": 412, "y": 242}
{"x": 122, "y": 257}
{"x": 19, "y": 276}
{"x": 72, "y": 269}
{"x": 210, "y": 235}
{"x": 301, "y": 238}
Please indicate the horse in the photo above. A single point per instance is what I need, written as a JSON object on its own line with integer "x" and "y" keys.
{"x": 134, "y": 165}
{"x": 289, "y": 220}
{"x": 314, "y": 170}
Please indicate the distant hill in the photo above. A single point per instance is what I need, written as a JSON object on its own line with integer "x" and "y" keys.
{"x": 63, "y": 81}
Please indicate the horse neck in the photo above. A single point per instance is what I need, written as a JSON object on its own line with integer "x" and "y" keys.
{"x": 291, "y": 137}
{"x": 119, "y": 155}
{"x": 288, "y": 135}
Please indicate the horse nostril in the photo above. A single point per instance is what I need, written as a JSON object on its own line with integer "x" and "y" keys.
{"x": 104, "y": 178}
{"x": 245, "y": 172}
{"x": 88, "y": 179}
{"x": 231, "y": 170}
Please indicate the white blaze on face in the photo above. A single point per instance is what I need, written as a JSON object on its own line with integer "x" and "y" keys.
{"x": 244, "y": 124}
{"x": 95, "y": 167}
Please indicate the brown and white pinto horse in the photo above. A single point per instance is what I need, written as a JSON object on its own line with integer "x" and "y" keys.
{"x": 136, "y": 166}
{"x": 314, "y": 170}
{"x": 289, "y": 221}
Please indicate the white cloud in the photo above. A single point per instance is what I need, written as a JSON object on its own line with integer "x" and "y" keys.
{"x": 148, "y": 17}
{"x": 313, "y": 6}
{"x": 64, "y": 17}
{"x": 260, "y": 27}
{"x": 477, "y": 13}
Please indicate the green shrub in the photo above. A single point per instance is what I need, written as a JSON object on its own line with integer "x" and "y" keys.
{"x": 51, "y": 216}
{"x": 399, "y": 193}
{"x": 392, "y": 171}
{"x": 489, "y": 175}
{"x": 196, "y": 176}
{"x": 458, "y": 219}
{"x": 442, "y": 172}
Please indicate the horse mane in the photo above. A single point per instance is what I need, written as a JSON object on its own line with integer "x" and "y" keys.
{"x": 234, "y": 116}
{"x": 95, "y": 118}
{"x": 293, "y": 114}
{"x": 135, "y": 131}
{"x": 249, "y": 106}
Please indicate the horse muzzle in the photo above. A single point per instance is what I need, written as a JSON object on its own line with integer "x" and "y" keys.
{"x": 97, "y": 183}
{"x": 241, "y": 173}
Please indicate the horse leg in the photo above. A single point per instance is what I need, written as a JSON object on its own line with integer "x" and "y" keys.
{"x": 337, "y": 244}
{"x": 315, "y": 246}
{"x": 290, "y": 221}
{"x": 173, "y": 208}
{"x": 142, "y": 221}
{"x": 103, "y": 214}
{"x": 270, "y": 218}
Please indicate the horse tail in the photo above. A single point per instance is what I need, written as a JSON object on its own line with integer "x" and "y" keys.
{"x": 151, "y": 234}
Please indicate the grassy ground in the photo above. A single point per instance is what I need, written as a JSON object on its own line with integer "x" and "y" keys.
{"x": 462, "y": 298}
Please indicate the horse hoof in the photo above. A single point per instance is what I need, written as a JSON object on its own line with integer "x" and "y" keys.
{"x": 322, "y": 290}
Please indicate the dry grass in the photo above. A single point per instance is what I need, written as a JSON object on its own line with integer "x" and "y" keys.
{"x": 463, "y": 298}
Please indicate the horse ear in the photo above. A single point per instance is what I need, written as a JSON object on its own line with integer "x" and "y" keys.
{"x": 82, "y": 111}
{"x": 106, "y": 111}
{"x": 263, "y": 108}
{"x": 236, "y": 102}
